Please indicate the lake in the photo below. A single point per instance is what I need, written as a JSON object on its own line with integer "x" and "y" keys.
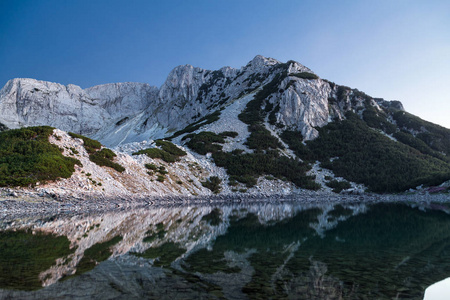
{"x": 239, "y": 251}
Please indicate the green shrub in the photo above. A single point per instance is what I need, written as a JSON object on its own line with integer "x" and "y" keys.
{"x": 231, "y": 134}
{"x": 150, "y": 238}
{"x": 104, "y": 158}
{"x": 368, "y": 157}
{"x": 205, "y": 142}
{"x": 248, "y": 180}
{"x": 196, "y": 125}
{"x": 168, "y": 152}
{"x": 232, "y": 182}
{"x": 416, "y": 143}
{"x": 213, "y": 183}
{"x": 3, "y": 127}
{"x": 253, "y": 112}
{"x": 342, "y": 92}
{"x": 170, "y": 147}
{"x": 272, "y": 115}
{"x": 295, "y": 141}
{"x": 27, "y": 157}
{"x": 338, "y": 186}
{"x": 158, "y": 153}
{"x": 160, "y": 178}
{"x": 435, "y": 136}
{"x": 151, "y": 167}
{"x": 73, "y": 150}
{"x": 378, "y": 119}
{"x": 305, "y": 75}
{"x": 247, "y": 167}
{"x": 162, "y": 171}
{"x": 261, "y": 139}
{"x": 89, "y": 144}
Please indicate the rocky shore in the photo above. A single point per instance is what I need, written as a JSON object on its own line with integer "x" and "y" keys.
{"x": 16, "y": 204}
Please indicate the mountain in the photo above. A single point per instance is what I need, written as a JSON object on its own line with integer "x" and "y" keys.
{"x": 265, "y": 122}
{"x": 130, "y": 112}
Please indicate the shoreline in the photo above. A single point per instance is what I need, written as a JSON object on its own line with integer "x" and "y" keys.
{"x": 16, "y": 207}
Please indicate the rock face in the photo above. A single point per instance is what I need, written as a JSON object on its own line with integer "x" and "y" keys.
{"x": 120, "y": 113}
{"x": 303, "y": 105}
{"x": 29, "y": 102}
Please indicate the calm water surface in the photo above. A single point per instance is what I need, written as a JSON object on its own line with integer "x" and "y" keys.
{"x": 284, "y": 251}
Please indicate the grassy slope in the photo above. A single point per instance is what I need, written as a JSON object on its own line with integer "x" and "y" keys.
{"x": 27, "y": 157}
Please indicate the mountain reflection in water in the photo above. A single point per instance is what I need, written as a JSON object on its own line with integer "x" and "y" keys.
{"x": 296, "y": 251}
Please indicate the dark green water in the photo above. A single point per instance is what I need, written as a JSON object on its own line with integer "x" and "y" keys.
{"x": 289, "y": 251}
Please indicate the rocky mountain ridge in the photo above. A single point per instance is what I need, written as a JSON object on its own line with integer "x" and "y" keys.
{"x": 132, "y": 112}
{"x": 268, "y": 127}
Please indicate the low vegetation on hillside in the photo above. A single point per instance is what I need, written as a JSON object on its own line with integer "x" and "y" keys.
{"x": 338, "y": 186}
{"x": 247, "y": 167}
{"x": 205, "y": 141}
{"x": 27, "y": 157}
{"x": 90, "y": 145}
{"x": 102, "y": 157}
{"x": 435, "y": 136}
{"x": 168, "y": 152}
{"x": 358, "y": 153}
{"x": 196, "y": 125}
{"x": 213, "y": 183}
{"x": 305, "y": 75}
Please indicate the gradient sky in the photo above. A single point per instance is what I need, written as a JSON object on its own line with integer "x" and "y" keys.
{"x": 397, "y": 50}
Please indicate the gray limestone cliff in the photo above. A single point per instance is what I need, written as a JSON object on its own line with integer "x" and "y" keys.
{"x": 121, "y": 113}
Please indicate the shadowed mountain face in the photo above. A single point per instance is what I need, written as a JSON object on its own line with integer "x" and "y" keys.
{"x": 281, "y": 119}
{"x": 243, "y": 251}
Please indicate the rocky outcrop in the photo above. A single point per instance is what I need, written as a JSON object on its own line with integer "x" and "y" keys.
{"x": 120, "y": 113}
{"x": 29, "y": 102}
{"x": 304, "y": 105}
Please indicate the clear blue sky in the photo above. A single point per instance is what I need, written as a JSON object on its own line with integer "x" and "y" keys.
{"x": 390, "y": 49}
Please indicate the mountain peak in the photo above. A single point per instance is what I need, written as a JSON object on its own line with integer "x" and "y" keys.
{"x": 259, "y": 61}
